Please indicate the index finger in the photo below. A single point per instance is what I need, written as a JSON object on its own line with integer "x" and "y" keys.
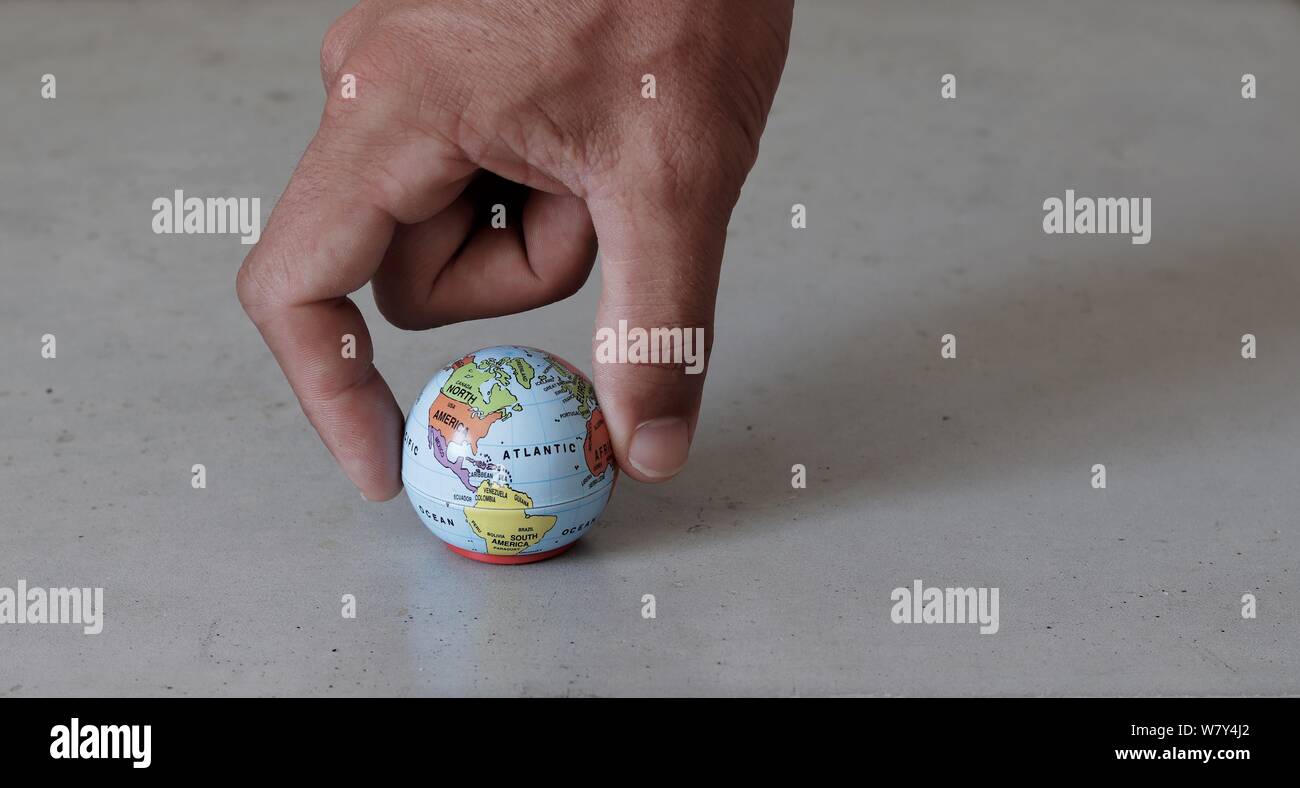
{"x": 325, "y": 239}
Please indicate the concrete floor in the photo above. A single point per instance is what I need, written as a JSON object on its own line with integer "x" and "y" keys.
{"x": 924, "y": 219}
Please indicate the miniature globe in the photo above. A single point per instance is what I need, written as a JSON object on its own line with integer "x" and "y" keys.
{"x": 507, "y": 457}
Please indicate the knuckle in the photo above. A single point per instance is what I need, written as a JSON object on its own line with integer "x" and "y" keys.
{"x": 262, "y": 283}
{"x": 692, "y": 164}
{"x": 333, "y": 49}
{"x": 384, "y": 70}
{"x": 566, "y": 283}
{"x": 667, "y": 377}
{"x": 396, "y": 303}
{"x": 250, "y": 287}
{"x": 398, "y": 316}
{"x": 342, "y": 36}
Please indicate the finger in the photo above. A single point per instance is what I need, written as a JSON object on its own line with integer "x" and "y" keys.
{"x": 342, "y": 35}
{"x": 660, "y": 260}
{"x": 324, "y": 240}
{"x": 456, "y": 266}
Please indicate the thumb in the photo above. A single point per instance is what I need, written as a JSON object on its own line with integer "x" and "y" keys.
{"x": 661, "y": 254}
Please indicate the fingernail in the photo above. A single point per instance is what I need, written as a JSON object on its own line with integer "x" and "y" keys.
{"x": 659, "y": 447}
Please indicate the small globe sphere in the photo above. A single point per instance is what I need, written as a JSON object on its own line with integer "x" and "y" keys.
{"x": 507, "y": 457}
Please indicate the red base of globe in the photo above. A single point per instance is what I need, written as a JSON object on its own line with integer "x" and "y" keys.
{"x": 508, "y": 559}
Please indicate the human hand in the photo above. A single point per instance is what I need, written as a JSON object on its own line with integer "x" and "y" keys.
{"x": 453, "y": 99}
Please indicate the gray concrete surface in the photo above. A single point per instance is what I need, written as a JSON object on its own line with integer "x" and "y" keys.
{"x": 924, "y": 218}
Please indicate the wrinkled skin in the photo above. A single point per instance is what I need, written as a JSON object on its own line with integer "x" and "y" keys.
{"x": 456, "y": 99}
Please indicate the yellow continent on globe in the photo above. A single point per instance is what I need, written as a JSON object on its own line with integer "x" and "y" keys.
{"x": 499, "y": 516}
